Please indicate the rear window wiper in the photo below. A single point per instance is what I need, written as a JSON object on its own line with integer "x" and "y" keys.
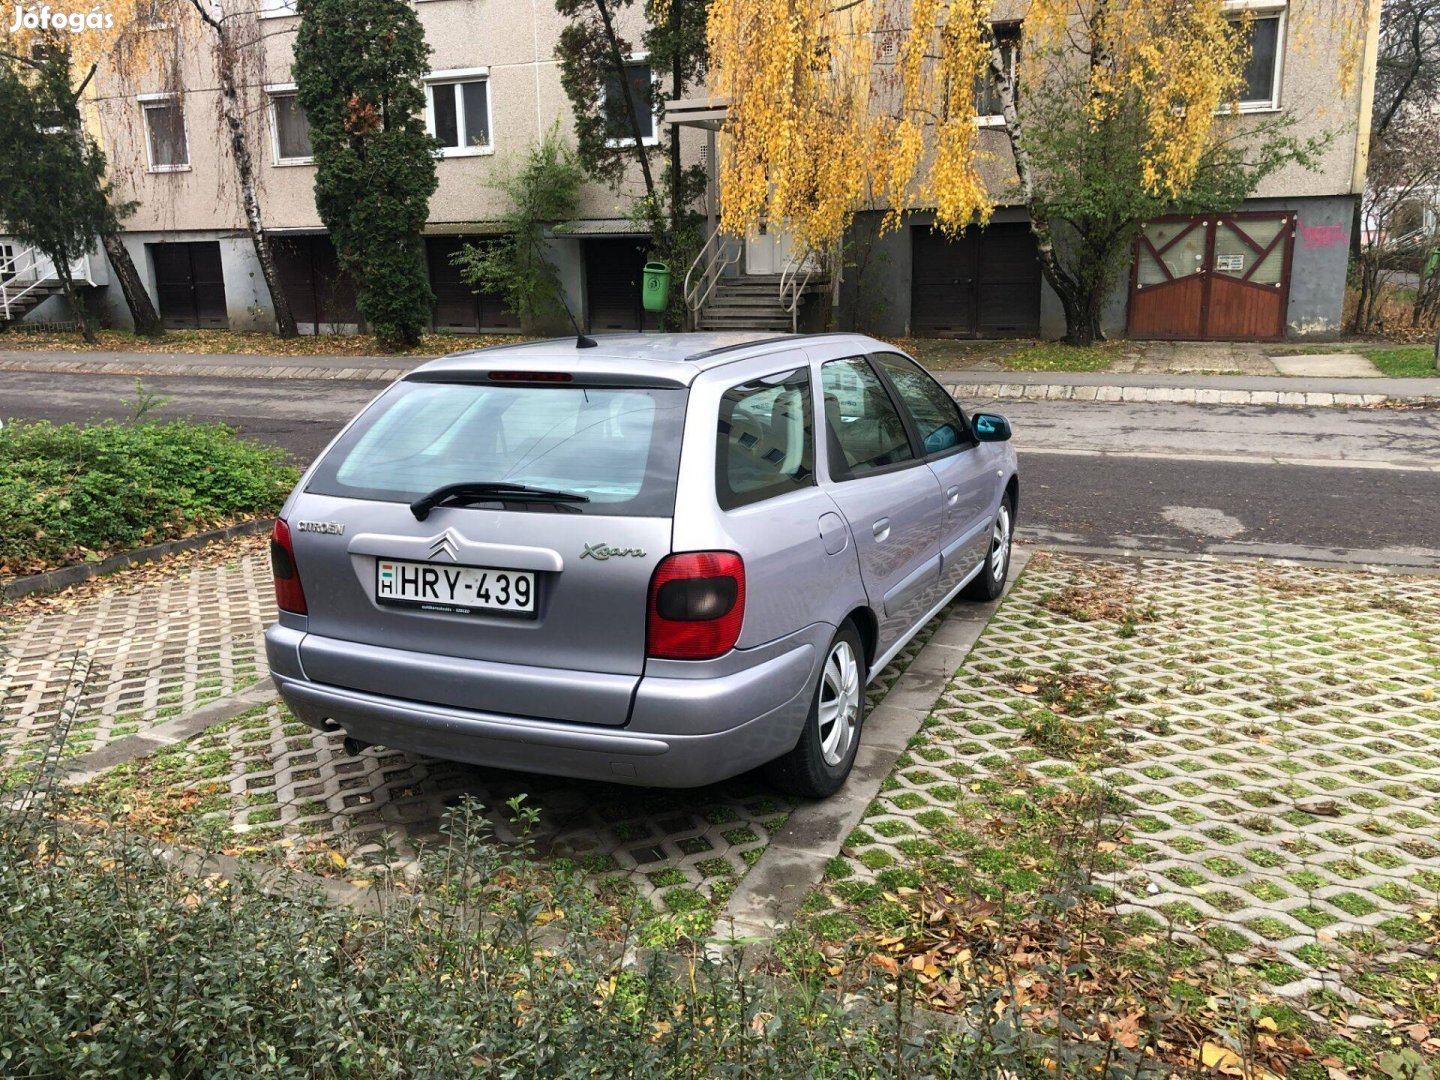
{"x": 490, "y": 491}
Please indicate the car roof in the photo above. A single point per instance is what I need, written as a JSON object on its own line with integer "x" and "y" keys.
{"x": 672, "y": 357}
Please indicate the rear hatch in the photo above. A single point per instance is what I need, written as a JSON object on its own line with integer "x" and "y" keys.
{"x": 528, "y": 602}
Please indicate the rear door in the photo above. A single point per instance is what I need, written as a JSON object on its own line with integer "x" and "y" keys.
{"x": 969, "y": 488}
{"x": 889, "y": 497}
{"x": 584, "y": 568}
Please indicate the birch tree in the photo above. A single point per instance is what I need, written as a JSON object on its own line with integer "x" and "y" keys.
{"x": 233, "y": 34}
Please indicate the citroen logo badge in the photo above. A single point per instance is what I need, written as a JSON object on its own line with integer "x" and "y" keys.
{"x": 445, "y": 545}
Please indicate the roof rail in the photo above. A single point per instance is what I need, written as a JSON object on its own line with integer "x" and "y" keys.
{"x": 777, "y": 340}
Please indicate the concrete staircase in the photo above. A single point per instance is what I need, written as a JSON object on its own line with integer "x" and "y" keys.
{"x": 17, "y": 307}
{"x": 751, "y": 302}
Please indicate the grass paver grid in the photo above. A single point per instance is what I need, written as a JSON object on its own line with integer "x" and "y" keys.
{"x": 1278, "y": 761}
{"x": 267, "y": 786}
{"x": 136, "y": 655}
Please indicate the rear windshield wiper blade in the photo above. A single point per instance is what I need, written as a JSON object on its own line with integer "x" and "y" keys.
{"x": 491, "y": 490}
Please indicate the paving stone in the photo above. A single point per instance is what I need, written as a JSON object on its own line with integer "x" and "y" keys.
{"x": 127, "y": 660}
{"x": 1283, "y": 729}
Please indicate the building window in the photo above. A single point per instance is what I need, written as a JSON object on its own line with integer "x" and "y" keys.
{"x": 277, "y": 9}
{"x": 989, "y": 107}
{"x": 618, "y": 95}
{"x": 459, "y": 112}
{"x": 289, "y": 128}
{"x": 165, "y": 133}
{"x": 1265, "y": 33}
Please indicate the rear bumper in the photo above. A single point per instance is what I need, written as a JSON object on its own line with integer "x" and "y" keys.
{"x": 683, "y": 732}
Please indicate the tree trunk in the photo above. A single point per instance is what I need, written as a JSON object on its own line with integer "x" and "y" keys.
{"x": 619, "y": 61}
{"x": 245, "y": 172}
{"x": 142, "y": 311}
{"x": 67, "y": 283}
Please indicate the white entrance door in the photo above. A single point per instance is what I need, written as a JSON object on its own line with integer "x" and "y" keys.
{"x": 767, "y": 251}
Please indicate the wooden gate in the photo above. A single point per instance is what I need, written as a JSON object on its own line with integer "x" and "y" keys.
{"x": 1214, "y": 277}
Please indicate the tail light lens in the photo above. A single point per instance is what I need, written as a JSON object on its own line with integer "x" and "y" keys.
{"x": 289, "y": 596}
{"x": 697, "y": 604}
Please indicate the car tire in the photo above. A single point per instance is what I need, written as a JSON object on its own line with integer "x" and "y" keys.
{"x": 989, "y": 583}
{"x": 821, "y": 760}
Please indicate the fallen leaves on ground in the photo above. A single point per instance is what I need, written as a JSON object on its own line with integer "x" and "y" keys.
{"x": 243, "y": 343}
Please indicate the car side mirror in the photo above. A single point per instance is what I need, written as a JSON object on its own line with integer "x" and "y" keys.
{"x": 990, "y": 427}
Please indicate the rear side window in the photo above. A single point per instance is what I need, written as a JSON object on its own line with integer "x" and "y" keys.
{"x": 764, "y": 443}
{"x": 618, "y": 447}
{"x": 864, "y": 429}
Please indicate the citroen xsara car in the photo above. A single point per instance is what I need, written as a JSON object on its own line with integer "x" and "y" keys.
{"x": 659, "y": 559}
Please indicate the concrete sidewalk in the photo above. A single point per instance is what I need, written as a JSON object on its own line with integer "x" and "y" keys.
{"x": 1102, "y": 386}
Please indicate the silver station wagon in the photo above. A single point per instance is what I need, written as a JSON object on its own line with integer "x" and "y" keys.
{"x": 655, "y": 559}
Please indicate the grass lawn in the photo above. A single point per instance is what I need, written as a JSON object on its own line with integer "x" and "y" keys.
{"x": 1405, "y": 361}
{"x": 954, "y": 354}
{"x": 242, "y": 343}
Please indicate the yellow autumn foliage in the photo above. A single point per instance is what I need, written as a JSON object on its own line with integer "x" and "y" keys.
{"x": 834, "y": 102}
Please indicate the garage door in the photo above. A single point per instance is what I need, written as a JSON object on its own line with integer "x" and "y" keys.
{"x": 190, "y": 285}
{"x": 1219, "y": 277}
{"x": 979, "y": 283}
{"x": 612, "y": 285}
{"x": 322, "y": 297}
{"x": 459, "y": 306}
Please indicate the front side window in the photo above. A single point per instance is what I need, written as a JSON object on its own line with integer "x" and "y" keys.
{"x": 617, "y": 447}
{"x": 460, "y": 116}
{"x": 292, "y": 128}
{"x": 635, "y": 90}
{"x": 863, "y": 430}
{"x": 1262, "y": 70}
{"x": 764, "y": 443}
{"x": 935, "y": 413}
{"x": 165, "y": 134}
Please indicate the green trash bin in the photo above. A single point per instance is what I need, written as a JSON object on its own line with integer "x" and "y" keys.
{"x": 655, "y": 288}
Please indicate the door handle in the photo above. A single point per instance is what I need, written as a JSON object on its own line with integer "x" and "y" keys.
{"x": 952, "y": 495}
{"x": 881, "y": 529}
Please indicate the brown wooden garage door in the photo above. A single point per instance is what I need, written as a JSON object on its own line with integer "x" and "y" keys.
{"x": 459, "y": 306}
{"x": 980, "y": 283}
{"x": 1216, "y": 277}
{"x": 189, "y": 285}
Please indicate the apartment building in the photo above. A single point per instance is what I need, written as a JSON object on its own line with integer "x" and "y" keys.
{"x": 493, "y": 90}
{"x": 1273, "y": 268}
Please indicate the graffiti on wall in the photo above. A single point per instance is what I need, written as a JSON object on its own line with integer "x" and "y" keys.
{"x": 1320, "y": 236}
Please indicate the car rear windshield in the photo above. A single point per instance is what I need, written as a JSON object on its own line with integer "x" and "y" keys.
{"x": 618, "y": 447}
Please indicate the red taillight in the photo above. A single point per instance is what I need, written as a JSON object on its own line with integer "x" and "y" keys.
{"x": 531, "y": 376}
{"x": 697, "y": 603}
{"x": 289, "y": 596}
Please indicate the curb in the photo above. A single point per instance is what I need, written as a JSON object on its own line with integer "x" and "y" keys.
{"x": 360, "y": 372}
{"x": 63, "y": 578}
{"x": 794, "y": 861}
{"x": 1171, "y": 395}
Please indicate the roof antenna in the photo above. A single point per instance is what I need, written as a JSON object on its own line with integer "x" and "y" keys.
{"x": 581, "y": 341}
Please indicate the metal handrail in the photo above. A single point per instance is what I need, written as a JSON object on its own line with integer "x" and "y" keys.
{"x": 25, "y": 266}
{"x": 790, "y": 291}
{"x": 717, "y": 254}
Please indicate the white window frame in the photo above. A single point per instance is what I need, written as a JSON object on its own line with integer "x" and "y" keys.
{"x": 997, "y": 120}
{"x": 451, "y": 78}
{"x": 163, "y": 98}
{"x": 654, "y": 137}
{"x": 1265, "y": 9}
{"x": 283, "y": 10}
{"x": 272, "y": 91}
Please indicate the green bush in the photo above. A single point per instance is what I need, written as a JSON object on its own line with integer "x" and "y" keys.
{"x": 113, "y": 963}
{"x": 70, "y": 493}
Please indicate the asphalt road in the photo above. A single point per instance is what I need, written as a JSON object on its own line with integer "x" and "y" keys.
{"x": 1329, "y": 484}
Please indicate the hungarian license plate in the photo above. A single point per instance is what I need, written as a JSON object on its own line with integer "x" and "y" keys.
{"x": 456, "y": 590}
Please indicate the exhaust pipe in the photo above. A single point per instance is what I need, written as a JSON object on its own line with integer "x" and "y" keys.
{"x": 353, "y": 746}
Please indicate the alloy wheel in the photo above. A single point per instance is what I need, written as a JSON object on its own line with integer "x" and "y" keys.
{"x": 838, "y": 716}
